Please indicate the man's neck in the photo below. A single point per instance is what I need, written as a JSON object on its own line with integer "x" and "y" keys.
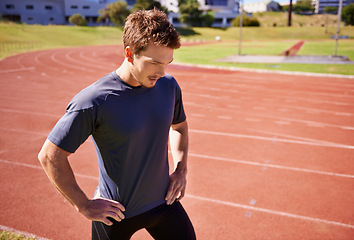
{"x": 124, "y": 73}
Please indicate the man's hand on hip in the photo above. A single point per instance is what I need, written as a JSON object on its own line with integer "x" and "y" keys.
{"x": 177, "y": 187}
{"x": 99, "y": 209}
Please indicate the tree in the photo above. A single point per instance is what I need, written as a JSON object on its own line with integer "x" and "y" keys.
{"x": 279, "y": 8}
{"x": 246, "y": 21}
{"x": 302, "y": 6}
{"x": 103, "y": 16}
{"x": 116, "y": 12}
{"x": 190, "y": 13}
{"x": 348, "y": 14}
{"x": 208, "y": 19}
{"x": 147, "y": 5}
{"x": 331, "y": 10}
{"x": 78, "y": 20}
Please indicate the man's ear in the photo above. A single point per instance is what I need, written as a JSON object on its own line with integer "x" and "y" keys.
{"x": 129, "y": 54}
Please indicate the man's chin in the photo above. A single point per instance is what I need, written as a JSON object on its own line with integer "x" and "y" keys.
{"x": 150, "y": 84}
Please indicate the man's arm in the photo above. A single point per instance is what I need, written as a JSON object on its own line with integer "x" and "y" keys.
{"x": 179, "y": 149}
{"x": 55, "y": 163}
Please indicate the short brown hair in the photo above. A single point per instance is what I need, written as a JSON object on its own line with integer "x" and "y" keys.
{"x": 144, "y": 26}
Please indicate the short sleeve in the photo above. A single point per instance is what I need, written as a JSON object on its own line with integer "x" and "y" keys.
{"x": 73, "y": 129}
{"x": 179, "y": 114}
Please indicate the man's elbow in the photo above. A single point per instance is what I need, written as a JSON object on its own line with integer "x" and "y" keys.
{"x": 42, "y": 157}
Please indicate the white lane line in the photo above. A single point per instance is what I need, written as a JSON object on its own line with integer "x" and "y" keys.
{"x": 23, "y": 131}
{"x": 225, "y": 117}
{"x": 321, "y": 144}
{"x": 282, "y": 122}
{"x": 65, "y": 64}
{"x": 307, "y": 122}
{"x": 317, "y": 111}
{"x": 40, "y": 168}
{"x": 82, "y": 62}
{"x": 26, "y": 234}
{"x": 94, "y": 59}
{"x": 197, "y": 115}
{"x": 290, "y": 136}
{"x": 30, "y": 113}
{"x": 252, "y": 120}
{"x": 259, "y": 108}
{"x": 271, "y": 165}
{"x": 215, "y": 201}
{"x": 234, "y": 106}
{"x": 37, "y": 56}
{"x": 273, "y": 212}
{"x": 202, "y": 95}
{"x": 18, "y": 69}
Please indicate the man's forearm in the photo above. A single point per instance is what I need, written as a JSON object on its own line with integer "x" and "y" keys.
{"x": 179, "y": 145}
{"x": 56, "y": 165}
{"x": 179, "y": 149}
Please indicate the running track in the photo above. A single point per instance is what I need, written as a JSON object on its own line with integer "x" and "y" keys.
{"x": 271, "y": 155}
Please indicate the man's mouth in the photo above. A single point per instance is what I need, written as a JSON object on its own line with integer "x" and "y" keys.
{"x": 153, "y": 79}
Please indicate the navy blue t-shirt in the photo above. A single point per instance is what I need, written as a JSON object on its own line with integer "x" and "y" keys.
{"x": 130, "y": 128}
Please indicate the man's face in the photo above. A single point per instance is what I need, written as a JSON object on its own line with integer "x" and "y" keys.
{"x": 150, "y": 65}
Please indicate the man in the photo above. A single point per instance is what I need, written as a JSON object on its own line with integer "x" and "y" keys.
{"x": 130, "y": 115}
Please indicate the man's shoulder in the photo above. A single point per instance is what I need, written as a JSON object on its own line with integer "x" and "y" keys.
{"x": 170, "y": 81}
{"x": 95, "y": 94}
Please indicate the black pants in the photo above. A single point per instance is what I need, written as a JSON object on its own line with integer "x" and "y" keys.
{"x": 165, "y": 222}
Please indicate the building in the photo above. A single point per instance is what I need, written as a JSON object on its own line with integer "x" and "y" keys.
{"x": 34, "y": 12}
{"x": 321, "y": 4}
{"x": 58, "y": 11}
{"x": 52, "y": 11}
{"x": 261, "y": 6}
{"x": 224, "y": 10}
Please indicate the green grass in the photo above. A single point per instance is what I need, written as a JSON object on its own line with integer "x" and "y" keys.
{"x": 18, "y": 38}
{"x": 207, "y": 54}
{"x": 263, "y": 33}
{"x": 269, "y": 19}
{"x": 6, "y": 235}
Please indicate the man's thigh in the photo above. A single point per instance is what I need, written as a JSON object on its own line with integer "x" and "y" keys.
{"x": 171, "y": 223}
{"x": 118, "y": 231}
{"x": 165, "y": 222}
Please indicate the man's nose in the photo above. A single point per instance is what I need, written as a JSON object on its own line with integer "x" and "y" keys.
{"x": 161, "y": 71}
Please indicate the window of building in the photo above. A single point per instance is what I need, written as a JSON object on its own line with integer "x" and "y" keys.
{"x": 30, "y": 18}
{"x": 51, "y": 19}
{"x": 73, "y": 7}
{"x": 175, "y": 20}
{"x": 216, "y": 2}
{"x": 86, "y": 7}
{"x": 131, "y": 2}
{"x": 29, "y": 7}
{"x": 10, "y": 6}
{"x": 218, "y": 20}
{"x": 47, "y": 7}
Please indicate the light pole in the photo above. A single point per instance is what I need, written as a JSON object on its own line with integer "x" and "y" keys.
{"x": 290, "y": 10}
{"x": 241, "y": 23}
{"x": 338, "y": 24}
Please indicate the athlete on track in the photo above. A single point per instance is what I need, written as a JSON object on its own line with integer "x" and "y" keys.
{"x": 130, "y": 114}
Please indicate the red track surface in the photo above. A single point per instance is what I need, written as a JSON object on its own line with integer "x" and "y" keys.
{"x": 271, "y": 156}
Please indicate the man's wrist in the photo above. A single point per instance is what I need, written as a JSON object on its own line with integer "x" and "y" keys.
{"x": 181, "y": 167}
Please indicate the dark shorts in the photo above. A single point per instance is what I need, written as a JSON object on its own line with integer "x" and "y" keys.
{"x": 165, "y": 222}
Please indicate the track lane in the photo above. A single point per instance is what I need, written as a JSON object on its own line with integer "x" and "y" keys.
{"x": 289, "y": 141}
